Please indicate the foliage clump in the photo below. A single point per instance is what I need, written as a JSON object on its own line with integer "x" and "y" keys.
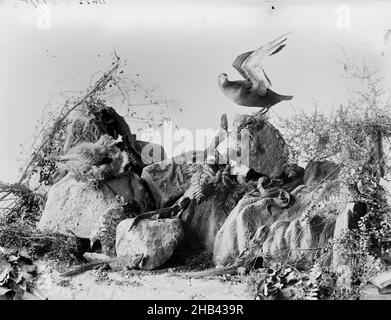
{"x": 284, "y": 282}
{"x": 17, "y": 273}
{"x": 22, "y": 203}
{"x": 23, "y": 234}
{"x": 353, "y": 137}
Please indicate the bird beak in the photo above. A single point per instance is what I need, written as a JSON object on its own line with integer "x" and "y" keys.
{"x": 92, "y": 242}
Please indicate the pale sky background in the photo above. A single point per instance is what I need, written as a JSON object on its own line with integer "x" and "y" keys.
{"x": 181, "y": 46}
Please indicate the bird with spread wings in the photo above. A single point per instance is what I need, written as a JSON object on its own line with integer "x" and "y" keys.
{"x": 255, "y": 90}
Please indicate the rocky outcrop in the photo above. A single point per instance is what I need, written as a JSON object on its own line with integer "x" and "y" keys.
{"x": 78, "y": 207}
{"x": 155, "y": 239}
{"x": 234, "y": 236}
{"x": 169, "y": 179}
{"x": 267, "y": 151}
{"x": 308, "y": 224}
{"x": 205, "y": 220}
{"x": 276, "y": 244}
{"x": 293, "y": 234}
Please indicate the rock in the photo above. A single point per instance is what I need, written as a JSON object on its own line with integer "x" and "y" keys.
{"x": 266, "y": 152}
{"x": 312, "y": 220}
{"x": 320, "y": 171}
{"x": 131, "y": 187}
{"x": 299, "y": 237}
{"x": 291, "y": 240}
{"x": 150, "y": 152}
{"x": 371, "y": 292}
{"x": 294, "y": 234}
{"x": 276, "y": 244}
{"x": 169, "y": 179}
{"x": 383, "y": 282}
{"x": 232, "y": 239}
{"x": 78, "y": 207}
{"x": 205, "y": 220}
{"x": 156, "y": 239}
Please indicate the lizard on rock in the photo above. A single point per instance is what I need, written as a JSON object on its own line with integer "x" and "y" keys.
{"x": 202, "y": 185}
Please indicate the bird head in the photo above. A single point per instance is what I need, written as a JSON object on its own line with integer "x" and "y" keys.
{"x": 222, "y": 78}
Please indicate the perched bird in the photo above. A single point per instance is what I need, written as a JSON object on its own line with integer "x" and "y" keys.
{"x": 254, "y": 91}
{"x": 93, "y": 161}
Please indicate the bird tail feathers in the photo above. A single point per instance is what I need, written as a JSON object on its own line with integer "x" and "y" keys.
{"x": 285, "y": 97}
{"x": 277, "y": 96}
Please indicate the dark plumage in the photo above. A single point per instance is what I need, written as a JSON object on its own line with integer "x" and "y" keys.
{"x": 254, "y": 90}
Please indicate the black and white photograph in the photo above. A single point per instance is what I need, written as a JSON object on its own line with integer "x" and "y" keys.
{"x": 195, "y": 150}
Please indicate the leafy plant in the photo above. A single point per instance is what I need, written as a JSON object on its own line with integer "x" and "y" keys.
{"x": 22, "y": 203}
{"x": 17, "y": 273}
{"x": 23, "y": 234}
{"x": 353, "y": 137}
{"x": 283, "y": 282}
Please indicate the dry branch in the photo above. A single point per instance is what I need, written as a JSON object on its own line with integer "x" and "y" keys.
{"x": 98, "y": 86}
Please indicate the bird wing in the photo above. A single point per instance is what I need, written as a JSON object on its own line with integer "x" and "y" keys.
{"x": 237, "y": 64}
{"x": 249, "y": 64}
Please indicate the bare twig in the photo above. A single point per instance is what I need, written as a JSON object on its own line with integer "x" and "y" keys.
{"x": 99, "y": 86}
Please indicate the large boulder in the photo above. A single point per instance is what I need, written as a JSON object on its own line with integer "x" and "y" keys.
{"x": 169, "y": 179}
{"x": 308, "y": 224}
{"x": 204, "y": 221}
{"x": 291, "y": 240}
{"x": 275, "y": 244}
{"x": 293, "y": 234}
{"x": 78, "y": 207}
{"x": 266, "y": 151}
{"x": 250, "y": 213}
{"x": 371, "y": 292}
{"x": 204, "y": 218}
{"x": 155, "y": 239}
